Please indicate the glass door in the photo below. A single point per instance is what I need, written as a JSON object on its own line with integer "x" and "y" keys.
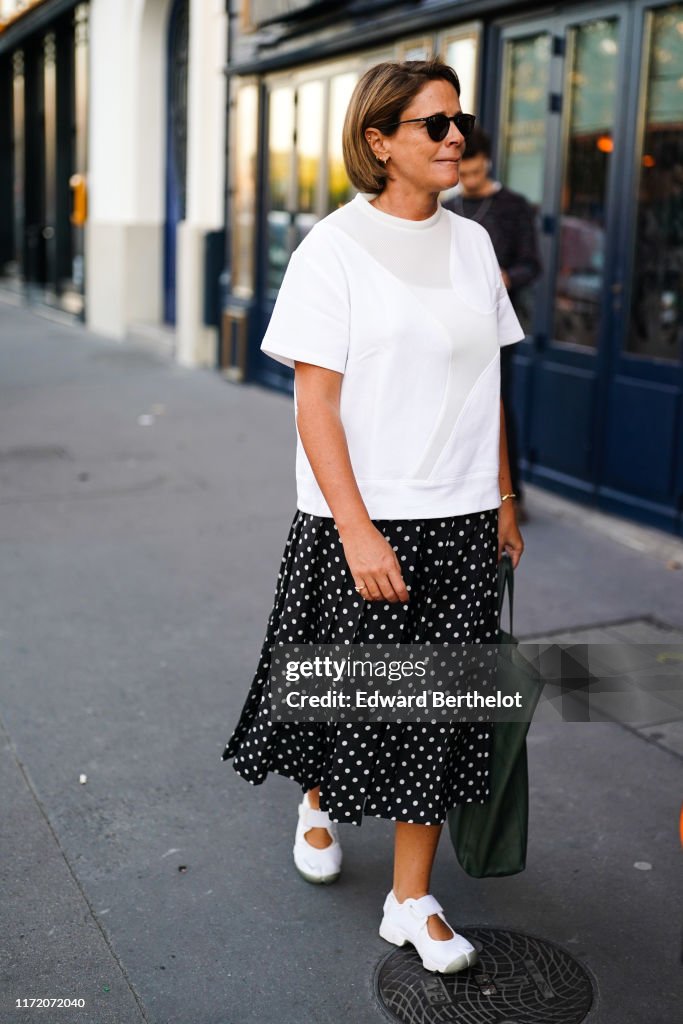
{"x": 522, "y": 134}
{"x": 178, "y": 55}
{"x": 655, "y": 321}
{"x": 643, "y": 454}
{"x": 561, "y": 89}
{"x": 588, "y": 146}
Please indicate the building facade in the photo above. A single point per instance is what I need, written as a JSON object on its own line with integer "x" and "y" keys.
{"x": 112, "y": 163}
{"x": 584, "y": 103}
{"x": 43, "y": 147}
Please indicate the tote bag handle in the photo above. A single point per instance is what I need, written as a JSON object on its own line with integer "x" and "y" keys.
{"x": 506, "y": 579}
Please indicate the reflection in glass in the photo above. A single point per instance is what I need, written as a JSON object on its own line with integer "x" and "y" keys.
{"x": 460, "y": 52}
{"x": 421, "y": 48}
{"x": 372, "y": 57}
{"x": 340, "y": 190}
{"x": 280, "y": 145}
{"x": 81, "y": 93}
{"x": 656, "y": 324}
{"x": 50, "y": 149}
{"x": 592, "y": 99}
{"x": 523, "y": 124}
{"x": 81, "y": 86}
{"x": 280, "y": 161}
{"x": 244, "y": 196}
{"x": 18, "y": 170}
{"x": 309, "y": 144}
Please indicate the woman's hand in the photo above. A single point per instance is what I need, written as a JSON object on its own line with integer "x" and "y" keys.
{"x": 509, "y": 537}
{"x": 373, "y": 564}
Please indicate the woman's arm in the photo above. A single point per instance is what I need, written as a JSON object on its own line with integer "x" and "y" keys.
{"x": 509, "y": 537}
{"x": 370, "y": 557}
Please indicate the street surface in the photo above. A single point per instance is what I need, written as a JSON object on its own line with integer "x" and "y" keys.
{"x": 143, "y": 512}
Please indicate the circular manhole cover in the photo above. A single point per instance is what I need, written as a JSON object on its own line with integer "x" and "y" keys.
{"x": 519, "y": 980}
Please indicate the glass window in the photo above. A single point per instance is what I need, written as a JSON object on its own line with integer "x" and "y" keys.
{"x": 306, "y": 174}
{"x": 80, "y": 131}
{"x": 280, "y": 183}
{"x": 310, "y": 133}
{"x": 50, "y": 145}
{"x": 339, "y": 188}
{"x": 18, "y": 170}
{"x": 376, "y": 57}
{"x": 280, "y": 147}
{"x": 523, "y": 123}
{"x": 460, "y": 52}
{"x": 421, "y": 48}
{"x": 244, "y": 185}
{"x": 246, "y": 24}
{"x": 592, "y": 70}
{"x": 81, "y": 86}
{"x": 656, "y": 316}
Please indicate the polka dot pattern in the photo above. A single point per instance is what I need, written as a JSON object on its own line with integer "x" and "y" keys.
{"x": 411, "y": 772}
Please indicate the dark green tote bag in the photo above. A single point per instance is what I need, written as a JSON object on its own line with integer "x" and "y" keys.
{"x": 491, "y": 839}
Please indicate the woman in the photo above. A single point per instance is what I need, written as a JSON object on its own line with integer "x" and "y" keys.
{"x": 392, "y": 313}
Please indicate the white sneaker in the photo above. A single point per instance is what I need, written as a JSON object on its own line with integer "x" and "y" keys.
{"x": 407, "y": 922}
{"x": 318, "y": 866}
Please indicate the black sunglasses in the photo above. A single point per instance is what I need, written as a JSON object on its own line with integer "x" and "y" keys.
{"x": 438, "y": 124}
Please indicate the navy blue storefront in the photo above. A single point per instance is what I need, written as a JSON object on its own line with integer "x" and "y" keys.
{"x": 585, "y": 107}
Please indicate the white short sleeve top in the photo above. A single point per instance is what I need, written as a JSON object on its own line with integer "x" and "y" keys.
{"x": 413, "y": 314}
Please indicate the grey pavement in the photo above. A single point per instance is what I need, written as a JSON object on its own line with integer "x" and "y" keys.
{"x": 143, "y": 511}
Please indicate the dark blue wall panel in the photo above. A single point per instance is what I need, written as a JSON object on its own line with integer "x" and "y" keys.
{"x": 641, "y": 424}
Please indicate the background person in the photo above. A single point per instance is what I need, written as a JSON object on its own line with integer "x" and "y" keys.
{"x": 402, "y": 484}
{"x": 509, "y": 220}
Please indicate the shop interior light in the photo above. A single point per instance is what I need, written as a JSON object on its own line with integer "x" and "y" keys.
{"x": 12, "y": 12}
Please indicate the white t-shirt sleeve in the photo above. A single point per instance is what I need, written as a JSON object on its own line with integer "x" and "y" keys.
{"x": 310, "y": 320}
{"x": 509, "y": 328}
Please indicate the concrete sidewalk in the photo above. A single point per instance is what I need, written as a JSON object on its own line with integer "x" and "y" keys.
{"x": 144, "y": 508}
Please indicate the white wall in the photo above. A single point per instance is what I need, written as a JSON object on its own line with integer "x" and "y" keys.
{"x": 205, "y": 174}
{"x": 109, "y": 173}
{"x": 149, "y": 28}
{"x": 124, "y": 233}
{"x": 126, "y": 179}
{"x": 207, "y": 111}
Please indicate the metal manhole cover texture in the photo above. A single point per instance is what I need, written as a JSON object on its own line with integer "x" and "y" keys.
{"x": 519, "y": 980}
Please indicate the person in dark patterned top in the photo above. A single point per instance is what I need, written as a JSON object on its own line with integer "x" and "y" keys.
{"x": 509, "y": 219}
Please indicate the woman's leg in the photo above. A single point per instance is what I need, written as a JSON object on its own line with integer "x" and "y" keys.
{"x": 414, "y": 851}
{"x": 318, "y": 837}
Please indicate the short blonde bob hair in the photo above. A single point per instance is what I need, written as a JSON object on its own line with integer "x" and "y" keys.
{"x": 380, "y": 97}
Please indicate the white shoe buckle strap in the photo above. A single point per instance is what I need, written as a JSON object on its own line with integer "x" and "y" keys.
{"x": 424, "y": 907}
{"x": 314, "y": 818}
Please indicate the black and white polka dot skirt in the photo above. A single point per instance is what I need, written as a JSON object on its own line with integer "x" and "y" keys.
{"x": 409, "y": 772}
